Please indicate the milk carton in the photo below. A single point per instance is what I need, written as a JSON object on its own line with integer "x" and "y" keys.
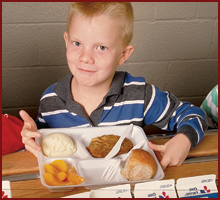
{"x": 155, "y": 189}
{"x": 118, "y": 191}
{"x": 197, "y": 187}
{"x": 6, "y": 189}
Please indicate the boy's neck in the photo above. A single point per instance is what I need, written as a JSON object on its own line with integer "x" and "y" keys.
{"x": 88, "y": 97}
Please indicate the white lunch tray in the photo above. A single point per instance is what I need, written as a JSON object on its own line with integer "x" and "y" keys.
{"x": 87, "y": 166}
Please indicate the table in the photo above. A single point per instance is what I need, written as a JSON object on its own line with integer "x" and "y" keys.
{"x": 20, "y": 163}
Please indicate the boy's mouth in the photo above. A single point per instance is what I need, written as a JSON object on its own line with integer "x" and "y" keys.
{"x": 85, "y": 71}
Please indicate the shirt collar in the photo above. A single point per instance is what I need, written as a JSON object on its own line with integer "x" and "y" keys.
{"x": 63, "y": 87}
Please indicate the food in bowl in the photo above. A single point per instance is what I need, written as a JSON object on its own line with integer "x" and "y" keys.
{"x": 99, "y": 147}
{"x": 57, "y": 174}
{"x": 58, "y": 145}
{"x": 140, "y": 165}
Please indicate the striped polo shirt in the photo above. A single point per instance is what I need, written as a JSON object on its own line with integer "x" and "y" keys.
{"x": 129, "y": 100}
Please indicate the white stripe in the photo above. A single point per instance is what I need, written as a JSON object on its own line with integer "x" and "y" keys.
{"x": 165, "y": 127}
{"x": 125, "y": 103}
{"x": 80, "y": 126}
{"x": 200, "y": 124}
{"x": 54, "y": 112}
{"x": 174, "y": 113}
{"x": 120, "y": 122}
{"x": 74, "y": 114}
{"x": 165, "y": 110}
{"x": 151, "y": 100}
{"x": 48, "y": 95}
{"x": 41, "y": 120}
{"x": 185, "y": 117}
{"x": 212, "y": 106}
{"x": 189, "y": 119}
{"x": 134, "y": 83}
{"x": 181, "y": 103}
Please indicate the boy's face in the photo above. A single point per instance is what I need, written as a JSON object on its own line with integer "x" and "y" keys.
{"x": 94, "y": 49}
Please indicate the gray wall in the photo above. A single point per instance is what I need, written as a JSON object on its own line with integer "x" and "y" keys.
{"x": 176, "y": 48}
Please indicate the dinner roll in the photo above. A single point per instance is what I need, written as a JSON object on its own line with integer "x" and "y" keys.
{"x": 58, "y": 145}
{"x": 140, "y": 165}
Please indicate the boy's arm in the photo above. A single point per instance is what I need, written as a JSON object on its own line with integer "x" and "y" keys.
{"x": 165, "y": 111}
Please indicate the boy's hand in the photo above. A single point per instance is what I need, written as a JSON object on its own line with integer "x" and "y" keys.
{"x": 29, "y": 132}
{"x": 174, "y": 151}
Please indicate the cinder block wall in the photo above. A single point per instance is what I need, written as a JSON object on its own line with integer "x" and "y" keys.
{"x": 176, "y": 48}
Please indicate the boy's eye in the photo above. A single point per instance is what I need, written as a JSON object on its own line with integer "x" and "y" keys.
{"x": 102, "y": 48}
{"x": 76, "y": 44}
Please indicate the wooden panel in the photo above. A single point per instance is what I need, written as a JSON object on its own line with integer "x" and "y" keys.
{"x": 19, "y": 163}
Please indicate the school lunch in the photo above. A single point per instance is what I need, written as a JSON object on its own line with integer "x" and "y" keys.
{"x": 74, "y": 157}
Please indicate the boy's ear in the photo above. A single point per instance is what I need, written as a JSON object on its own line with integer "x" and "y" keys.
{"x": 65, "y": 35}
{"x": 126, "y": 54}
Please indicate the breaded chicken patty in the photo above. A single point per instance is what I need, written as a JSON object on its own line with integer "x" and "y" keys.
{"x": 101, "y": 146}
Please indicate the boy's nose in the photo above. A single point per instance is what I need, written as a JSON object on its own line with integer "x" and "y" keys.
{"x": 86, "y": 56}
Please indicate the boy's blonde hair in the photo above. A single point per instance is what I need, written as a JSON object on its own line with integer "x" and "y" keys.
{"x": 121, "y": 12}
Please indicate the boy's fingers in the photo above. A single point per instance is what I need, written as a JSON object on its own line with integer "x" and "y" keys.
{"x": 29, "y": 123}
{"x": 164, "y": 163}
{"x": 31, "y": 143}
{"x": 158, "y": 155}
{"x": 29, "y": 134}
{"x": 33, "y": 151}
{"x": 156, "y": 147}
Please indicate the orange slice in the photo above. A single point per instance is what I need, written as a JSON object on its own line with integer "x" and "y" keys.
{"x": 72, "y": 176}
{"x": 59, "y": 165}
{"x": 51, "y": 180}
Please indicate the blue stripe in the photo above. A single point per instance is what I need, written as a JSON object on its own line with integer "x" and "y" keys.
{"x": 181, "y": 112}
{"x": 64, "y": 120}
{"x": 157, "y": 107}
{"x": 130, "y": 78}
{"x": 123, "y": 112}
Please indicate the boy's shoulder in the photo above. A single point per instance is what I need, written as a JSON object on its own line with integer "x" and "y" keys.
{"x": 60, "y": 86}
{"x": 131, "y": 79}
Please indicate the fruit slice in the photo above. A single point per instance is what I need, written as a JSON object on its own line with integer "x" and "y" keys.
{"x": 61, "y": 176}
{"x": 50, "y": 169}
{"x": 51, "y": 180}
{"x": 59, "y": 165}
{"x": 72, "y": 176}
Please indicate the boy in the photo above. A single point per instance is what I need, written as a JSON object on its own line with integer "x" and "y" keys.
{"x": 95, "y": 94}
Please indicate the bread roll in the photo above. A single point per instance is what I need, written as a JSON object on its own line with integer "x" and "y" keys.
{"x": 140, "y": 165}
{"x": 58, "y": 145}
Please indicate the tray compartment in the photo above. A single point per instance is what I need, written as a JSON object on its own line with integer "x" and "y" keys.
{"x": 80, "y": 153}
{"x": 93, "y": 169}
{"x": 70, "y": 162}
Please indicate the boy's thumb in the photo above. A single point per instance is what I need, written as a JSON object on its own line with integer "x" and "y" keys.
{"x": 28, "y": 121}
